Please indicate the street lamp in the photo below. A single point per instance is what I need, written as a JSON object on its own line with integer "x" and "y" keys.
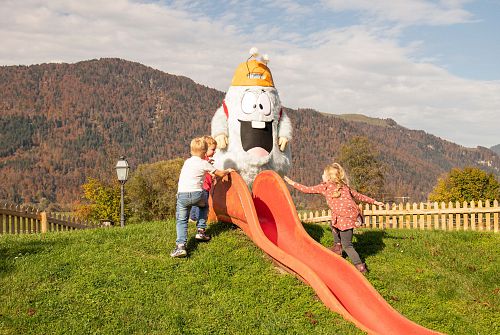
{"x": 122, "y": 169}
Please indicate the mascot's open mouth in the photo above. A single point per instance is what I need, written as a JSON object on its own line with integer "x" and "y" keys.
{"x": 257, "y": 137}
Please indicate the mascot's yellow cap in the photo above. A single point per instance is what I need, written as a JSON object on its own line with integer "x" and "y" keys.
{"x": 252, "y": 73}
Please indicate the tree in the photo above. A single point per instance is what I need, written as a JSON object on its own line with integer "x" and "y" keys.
{"x": 152, "y": 190}
{"x": 102, "y": 201}
{"x": 360, "y": 160}
{"x": 466, "y": 185}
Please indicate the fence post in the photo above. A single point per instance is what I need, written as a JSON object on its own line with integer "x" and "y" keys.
{"x": 466, "y": 217}
{"x": 480, "y": 223}
{"x": 436, "y": 216}
{"x": 367, "y": 216}
{"x": 414, "y": 218}
{"x": 495, "y": 217}
{"x": 401, "y": 215}
{"x": 443, "y": 216}
{"x": 473, "y": 216}
{"x": 43, "y": 222}
{"x": 457, "y": 216}
{"x": 394, "y": 216}
{"x": 421, "y": 219}
{"x": 487, "y": 216}
{"x": 450, "y": 216}
{"x": 407, "y": 216}
{"x": 428, "y": 217}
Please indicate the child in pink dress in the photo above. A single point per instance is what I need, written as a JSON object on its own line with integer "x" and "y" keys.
{"x": 345, "y": 212}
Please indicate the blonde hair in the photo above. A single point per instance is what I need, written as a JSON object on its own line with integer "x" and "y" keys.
{"x": 211, "y": 142}
{"x": 198, "y": 146}
{"x": 336, "y": 174}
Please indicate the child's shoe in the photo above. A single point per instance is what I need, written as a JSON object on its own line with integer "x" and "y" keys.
{"x": 179, "y": 251}
{"x": 337, "y": 248}
{"x": 361, "y": 268}
{"x": 201, "y": 235}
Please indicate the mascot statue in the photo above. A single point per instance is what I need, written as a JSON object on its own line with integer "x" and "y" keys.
{"x": 251, "y": 129}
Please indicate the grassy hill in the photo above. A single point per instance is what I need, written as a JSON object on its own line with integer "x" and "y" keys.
{"x": 122, "y": 281}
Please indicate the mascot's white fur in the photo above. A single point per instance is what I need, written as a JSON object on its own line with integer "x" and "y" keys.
{"x": 251, "y": 129}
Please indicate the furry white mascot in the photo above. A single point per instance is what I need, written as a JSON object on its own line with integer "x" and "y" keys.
{"x": 251, "y": 129}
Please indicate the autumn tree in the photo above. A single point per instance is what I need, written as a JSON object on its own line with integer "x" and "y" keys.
{"x": 152, "y": 190}
{"x": 360, "y": 160}
{"x": 466, "y": 185}
{"x": 101, "y": 201}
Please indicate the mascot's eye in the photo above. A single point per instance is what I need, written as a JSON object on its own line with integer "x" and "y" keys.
{"x": 264, "y": 104}
{"x": 248, "y": 103}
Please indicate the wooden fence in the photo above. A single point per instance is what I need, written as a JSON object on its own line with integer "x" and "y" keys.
{"x": 476, "y": 216}
{"x": 26, "y": 220}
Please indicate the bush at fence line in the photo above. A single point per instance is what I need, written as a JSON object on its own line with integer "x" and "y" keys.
{"x": 466, "y": 184}
{"x": 152, "y": 188}
{"x": 101, "y": 200}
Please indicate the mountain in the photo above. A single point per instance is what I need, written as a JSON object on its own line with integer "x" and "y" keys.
{"x": 496, "y": 148}
{"x": 63, "y": 123}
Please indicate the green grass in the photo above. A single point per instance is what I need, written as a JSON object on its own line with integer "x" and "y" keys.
{"x": 122, "y": 281}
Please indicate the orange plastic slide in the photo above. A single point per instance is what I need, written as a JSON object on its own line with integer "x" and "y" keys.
{"x": 268, "y": 216}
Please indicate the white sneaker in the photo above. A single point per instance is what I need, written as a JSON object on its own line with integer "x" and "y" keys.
{"x": 201, "y": 235}
{"x": 179, "y": 251}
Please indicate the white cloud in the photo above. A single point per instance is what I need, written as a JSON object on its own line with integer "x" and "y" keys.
{"x": 407, "y": 12}
{"x": 356, "y": 69}
{"x": 356, "y": 72}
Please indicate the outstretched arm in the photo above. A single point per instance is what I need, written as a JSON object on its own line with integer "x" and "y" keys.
{"x": 316, "y": 189}
{"x": 222, "y": 173}
{"x": 363, "y": 198}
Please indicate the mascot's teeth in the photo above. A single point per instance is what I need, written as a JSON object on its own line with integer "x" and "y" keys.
{"x": 258, "y": 124}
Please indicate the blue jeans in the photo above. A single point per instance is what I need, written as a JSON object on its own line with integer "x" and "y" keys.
{"x": 186, "y": 200}
{"x": 195, "y": 210}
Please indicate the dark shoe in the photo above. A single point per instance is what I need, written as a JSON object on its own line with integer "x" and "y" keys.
{"x": 361, "y": 267}
{"x": 201, "y": 235}
{"x": 337, "y": 248}
{"x": 179, "y": 251}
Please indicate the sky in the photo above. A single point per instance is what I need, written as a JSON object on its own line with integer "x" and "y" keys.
{"x": 428, "y": 65}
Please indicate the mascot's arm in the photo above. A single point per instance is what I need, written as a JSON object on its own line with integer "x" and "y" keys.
{"x": 284, "y": 131}
{"x": 219, "y": 128}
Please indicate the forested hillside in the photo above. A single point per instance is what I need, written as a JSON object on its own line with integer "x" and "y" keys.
{"x": 62, "y": 123}
{"x": 496, "y": 148}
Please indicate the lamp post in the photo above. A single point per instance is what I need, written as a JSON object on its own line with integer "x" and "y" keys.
{"x": 122, "y": 169}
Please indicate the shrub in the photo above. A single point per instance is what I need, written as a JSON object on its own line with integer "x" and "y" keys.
{"x": 151, "y": 191}
{"x": 466, "y": 185}
{"x": 101, "y": 201}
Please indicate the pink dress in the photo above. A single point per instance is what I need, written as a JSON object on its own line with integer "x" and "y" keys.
{"x": 345, "y": 211}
